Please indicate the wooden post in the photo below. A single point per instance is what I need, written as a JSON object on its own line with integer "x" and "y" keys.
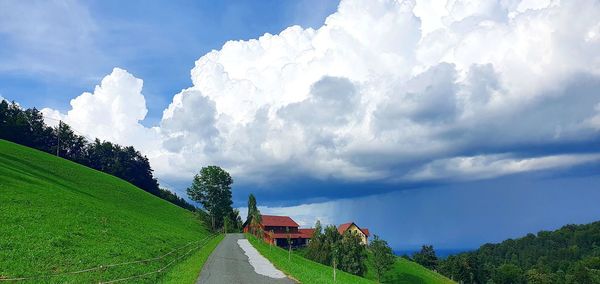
{"x": 334, "y": 266}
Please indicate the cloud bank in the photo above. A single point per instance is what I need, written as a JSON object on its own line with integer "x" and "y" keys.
{"x": 385, "y": 91}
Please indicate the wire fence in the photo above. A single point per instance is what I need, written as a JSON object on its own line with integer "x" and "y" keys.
{"x": 103, "y": 268}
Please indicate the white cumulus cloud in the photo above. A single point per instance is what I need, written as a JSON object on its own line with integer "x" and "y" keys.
{"x": 382, "y": 88}
{"x": 112, "y": 112}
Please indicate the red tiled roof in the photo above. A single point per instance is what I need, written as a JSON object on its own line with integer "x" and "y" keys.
{"x": 280, "y": 221}
{"x": 306, "y": 233}
{"x": 343, "y": 227}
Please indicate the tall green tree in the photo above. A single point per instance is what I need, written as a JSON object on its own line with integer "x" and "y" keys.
{"x": 331, "y": 238}
{"x": 251, "y": 206}
{"x": 212, "y": 188}
{"x": 236, "y": 219}
{"x": 383, "y": 256}
{"x": 254, "y": 218}
{"x": 426, "y": 257}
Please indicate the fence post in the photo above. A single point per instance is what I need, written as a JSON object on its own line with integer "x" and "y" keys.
{"x": 334, "y": 266}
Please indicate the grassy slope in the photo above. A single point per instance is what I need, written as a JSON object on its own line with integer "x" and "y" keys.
{"x": 300, "y": 268}
{"x": 405, "y": 271}
{"x": 188, "y": 270}
{"x": 57, "y": 216}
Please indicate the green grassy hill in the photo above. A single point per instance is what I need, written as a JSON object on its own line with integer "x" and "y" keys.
{"x": 406, "y": 271}
{"x": 57, "y": 217}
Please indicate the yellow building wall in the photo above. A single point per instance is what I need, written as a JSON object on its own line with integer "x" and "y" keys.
{"x": 353, "y": 228}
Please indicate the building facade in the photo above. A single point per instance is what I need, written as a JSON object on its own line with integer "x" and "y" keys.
{"x": 278, "y": 229}
{"x": 352, "y": 227}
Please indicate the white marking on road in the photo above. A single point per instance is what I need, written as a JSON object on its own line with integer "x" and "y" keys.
{"x": 261, "y": 265}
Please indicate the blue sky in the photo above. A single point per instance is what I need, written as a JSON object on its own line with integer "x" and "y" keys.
{"x": 156, "y": 41}
{"x": 452, "y": 124}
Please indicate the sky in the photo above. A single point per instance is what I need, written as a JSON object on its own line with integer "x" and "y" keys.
{"x": 452, "y": 123}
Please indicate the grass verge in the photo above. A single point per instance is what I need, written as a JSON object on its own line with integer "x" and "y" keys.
{"x": 188, "y": 270}
{"x": 300, "y": 268}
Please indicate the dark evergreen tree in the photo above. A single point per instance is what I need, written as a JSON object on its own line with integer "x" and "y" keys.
{"x": 251, "y": 206}
{"x": 426, "y": 257}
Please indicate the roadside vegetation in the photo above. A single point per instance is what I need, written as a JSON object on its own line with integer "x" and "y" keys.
{"x": 300, "y": 268}
{"x": 59, "y": 217}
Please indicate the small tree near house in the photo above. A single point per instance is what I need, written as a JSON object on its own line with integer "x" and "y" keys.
{"x": 352, "y": 254}
{"x": 251, "y": 206}
{"x": 383, "y": 256}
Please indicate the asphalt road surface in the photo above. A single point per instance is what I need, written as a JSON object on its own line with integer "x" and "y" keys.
{"x": 229, "y": 264}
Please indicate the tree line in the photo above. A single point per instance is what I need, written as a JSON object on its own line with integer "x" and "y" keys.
{"x": 27, "y": 127}
{"x": 568, "y": 255}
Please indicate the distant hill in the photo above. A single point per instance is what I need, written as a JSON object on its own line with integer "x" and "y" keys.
{"x": 58, "y": 217}
{"x": 570, "y": 254}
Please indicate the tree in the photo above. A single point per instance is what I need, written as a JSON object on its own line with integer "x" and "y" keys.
{"x": 237, "y": 220}
{"x": 534, "y": 276}
{"x": 383, "y": 256}
{"x": 426, "y": 257}
{"x": 212, "y": 188}
{"x": 255, "y": 223}
{"x": 227, "y": 224}
{"x": 331, "y": 237}
{"x": 254, "y": 218}
{"x": 251, "y": 206}
{"x": 314, "y": 249}
{"x": 508, "y": 274}
{"x": 351, "y": 254}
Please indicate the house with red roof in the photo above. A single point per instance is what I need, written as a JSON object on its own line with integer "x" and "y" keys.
{"x": 352, "y": 227}
{"x": 277, "y": 229}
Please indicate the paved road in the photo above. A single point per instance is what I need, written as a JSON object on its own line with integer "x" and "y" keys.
{"x": 229, "y": 264}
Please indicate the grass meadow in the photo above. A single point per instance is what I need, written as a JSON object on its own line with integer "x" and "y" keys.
{"x": 58, "y": 217}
